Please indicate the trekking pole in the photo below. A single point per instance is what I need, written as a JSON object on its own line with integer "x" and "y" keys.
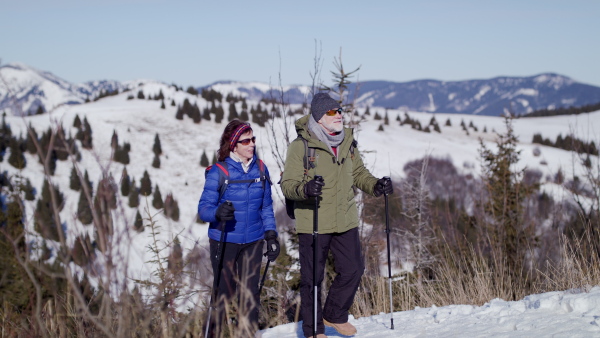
{"x": 315, "y": 253}
{"x": 387, "y": 231}
{"x": 217, "y": 277}
{"x": 264, "y": 276}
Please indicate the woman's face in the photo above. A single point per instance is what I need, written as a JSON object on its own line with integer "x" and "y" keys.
{"x": 245, "y": 152}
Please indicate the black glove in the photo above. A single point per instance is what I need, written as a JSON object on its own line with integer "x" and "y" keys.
{"x": 313, "y": 188}
{"x": 383, "y": 186}
{"x": 225, "y": 212}
{"x": 272, "y": 245}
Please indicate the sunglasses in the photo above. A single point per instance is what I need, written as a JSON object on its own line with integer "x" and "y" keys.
{"x": 247, "y": 141}
{"x": 334, "y": 111}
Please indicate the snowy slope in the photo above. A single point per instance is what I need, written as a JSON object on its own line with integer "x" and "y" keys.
{"x": 138, "y": 121}
{"x": 572, "y": 313}
{"x": 29, "y": 88}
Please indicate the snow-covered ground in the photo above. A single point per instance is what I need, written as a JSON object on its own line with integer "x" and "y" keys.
{"x": 572, "y": 313}
{"x": 138, "y": 121}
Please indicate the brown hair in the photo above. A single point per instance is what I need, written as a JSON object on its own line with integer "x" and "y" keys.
{"x": 225, "y": 142}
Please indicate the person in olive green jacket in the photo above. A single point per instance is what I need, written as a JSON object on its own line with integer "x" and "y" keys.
{"x": 329, "y": 150}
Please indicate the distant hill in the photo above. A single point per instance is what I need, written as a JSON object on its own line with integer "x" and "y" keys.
{"x": 492, "y": 97}
{"x": 31, "y": 89}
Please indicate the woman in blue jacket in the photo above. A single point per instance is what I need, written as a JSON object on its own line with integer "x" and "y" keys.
{"x": 244, "y": 205}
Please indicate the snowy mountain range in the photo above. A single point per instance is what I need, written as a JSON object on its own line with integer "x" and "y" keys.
{"x": 31, "y": 88}
{"x": 493, "y": 97}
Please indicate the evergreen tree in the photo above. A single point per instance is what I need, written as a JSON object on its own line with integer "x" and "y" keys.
{"x": 206, "y": 114}
{"x": 244, "y": 116}
{"x": 214, "y": 159}
{"x": 114, "y": 140}
{"x": 179, "y": 114}
{"x": 74, "y": 182}
{"x": 386, "y": 119}
{"x": 28, "y": 189}
{"x": 204, "y": 160}
{"x": 233, "y": 114}
{"x": 377, "y": 116}
{"x": 156, "y": 162}
{"x": 162, "y": 104}
{"x": 77, "y": 122}
{"x": 125, "y": 183}
{"x": 173, "y": 103}
{"x": 138, "y": 224}
{"x": 106, "y": 195}
{"x": 504, "y": 207}
{"x": 157, "y": 201}
{"x": 45, "y": 216}
{"x": 380, "y": 127}
{"x": 134, "y": 195}
{"x": 171, "y": 208}
{"x": 145, "y": 185}
{"x": 16, "y": 158}
{"x": 16, "y": 287}
{"x": 448, "y": 123}
{"x": 85, "y": 134}
{"x": 219, "y": 114}
{"x": 32, "y": 139}
{"x": 84, "y": 211}
{"x": 156, "y": 148}
{"x": 140, "y": 95}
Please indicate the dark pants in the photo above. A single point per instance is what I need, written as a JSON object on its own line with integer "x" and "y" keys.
{"x": 349, "y": 266}
{"x": 240, "y": 265}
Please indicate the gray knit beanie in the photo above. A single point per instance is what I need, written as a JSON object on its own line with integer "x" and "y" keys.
{"x": 320, "y": 104}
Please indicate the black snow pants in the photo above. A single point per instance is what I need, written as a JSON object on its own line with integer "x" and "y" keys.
{"x": 349, "y": 266}
{"x": 241, "y": 262}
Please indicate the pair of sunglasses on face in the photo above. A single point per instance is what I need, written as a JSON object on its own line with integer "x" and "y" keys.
{"x": 332, "y": 112}
{"x": 247, "y": 141}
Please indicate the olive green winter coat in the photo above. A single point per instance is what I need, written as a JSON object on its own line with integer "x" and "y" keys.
{"x": 337, "y": 207}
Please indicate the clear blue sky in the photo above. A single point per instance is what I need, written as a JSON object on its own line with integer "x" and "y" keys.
{"x": 198, "y": 42}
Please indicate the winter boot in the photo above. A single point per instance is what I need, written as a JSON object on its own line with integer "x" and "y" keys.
{"x": 345, "y": 329}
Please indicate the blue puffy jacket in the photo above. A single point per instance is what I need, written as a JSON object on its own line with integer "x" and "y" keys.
{"x": 253, "y": 204}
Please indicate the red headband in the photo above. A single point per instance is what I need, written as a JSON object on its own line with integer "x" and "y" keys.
{"x": 241, "y": 129}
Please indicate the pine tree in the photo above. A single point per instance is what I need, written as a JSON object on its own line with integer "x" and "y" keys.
{"x": 138, "y": 223}
{"x": 74, "y": 182}
{"x": 206, "y": 114}
{"x": 45, "y": 215}
{"x": 125, "y": 183}
{"x": 172, "y": 103}
{"x": 171, "y": 207}
{"x": 157, "y": 201}
{"x": 214, "y": 159}
{"x": 140, "y": 95}
{"x": 28, "y": 189}
{"x": 77, "y": 122}
{"x": 114, "y": 140}
{"x": 31, "y": 140}
{"x": 156, "y": 148}
{"x": 16, "y": 286}
{"x": 504, "y": 207}
{"x": 145, "y": 185}
{"x": 134, "y": 195}
{"x": 16, "y": 158}
{"x": 84, "y": 211}
{"x": 162, "y": 104}
{"x": 244, "y": 116}
{"x": 386, "y": 119}
{"x": 156, "y": 162}
{"x": 204, "y": 160}
{"x": 233, "y": 114}
{"x": 179, "y": 114}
